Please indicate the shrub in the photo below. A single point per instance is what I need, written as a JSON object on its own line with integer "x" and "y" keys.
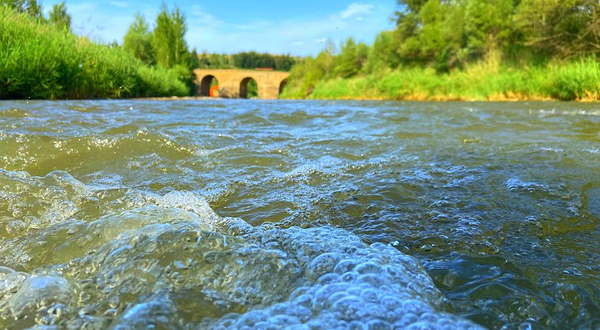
{"x": 41, "y": 61}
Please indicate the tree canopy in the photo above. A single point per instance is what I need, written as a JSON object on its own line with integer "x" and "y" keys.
{"x": 139, "y": 40}
{"x": 59, "y": 16}
{"x": 246, "y": 60}
{"x": 170, "y": 45}
{"x": 449, "y": 34}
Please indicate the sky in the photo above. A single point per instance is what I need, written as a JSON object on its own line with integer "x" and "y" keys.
{"x": 298, "y": 27}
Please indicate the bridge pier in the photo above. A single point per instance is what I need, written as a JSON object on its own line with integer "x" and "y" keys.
{"x": 231, "y": 82}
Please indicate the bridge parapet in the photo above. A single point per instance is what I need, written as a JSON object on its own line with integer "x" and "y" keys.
{"x": 233, "y": 83}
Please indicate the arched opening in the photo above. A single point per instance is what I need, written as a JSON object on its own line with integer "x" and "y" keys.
{"x": 209, "y": 86}
{"x": 282, "y": 86}
{"x": 248, "y": 88}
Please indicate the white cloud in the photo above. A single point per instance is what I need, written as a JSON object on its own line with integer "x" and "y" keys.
{"x": 201, "y": 18}
{"x": 298, "y": 36}
{"x": 119, "y": 4}
{"x": 258, "y": 25}
{"x": 100, "y": 21}
{"x": 355, "y": 9}
{"x": 206, "y": 31}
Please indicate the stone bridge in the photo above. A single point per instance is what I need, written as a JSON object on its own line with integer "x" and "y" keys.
{"x": 234, "y": 83}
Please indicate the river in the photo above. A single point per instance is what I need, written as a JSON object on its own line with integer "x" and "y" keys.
{"x": 194, "y": 214}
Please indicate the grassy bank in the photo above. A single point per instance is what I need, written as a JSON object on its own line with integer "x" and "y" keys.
{"x": 41, "y": 61}
{"x": 577, "y": 80}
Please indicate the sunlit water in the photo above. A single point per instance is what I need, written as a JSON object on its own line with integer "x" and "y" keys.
{"x": 306, "y": 215}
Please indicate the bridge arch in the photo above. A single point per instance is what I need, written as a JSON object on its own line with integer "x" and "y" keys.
{"x": 230, "y": 86}
{"x": 207, "y": 82}
{"x": 282, "y": 85}
{"x": 246, "y": 86}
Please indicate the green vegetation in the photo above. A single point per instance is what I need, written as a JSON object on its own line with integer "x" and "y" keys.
{"x": 139, "y": 41}
{"x": 29, "y": 7}
{"x": 246, "y": 60}
{"x": 574, "y": 80}
{"x": 42, "y": 61}
{"x": 169, "y": 43}
{"x": 442, "y": 50}
{"x": 59, "y": 16}
{"x": 252, "y": 89}
{"x": 41, "y": 58}
{"x": 465, "y": 49}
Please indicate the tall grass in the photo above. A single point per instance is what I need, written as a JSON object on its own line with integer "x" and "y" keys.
{"x": 40, "y": 61}
{"x": 576, "y": 80}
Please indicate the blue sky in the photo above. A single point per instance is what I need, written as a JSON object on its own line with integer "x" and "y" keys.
{"x": 280, "y": 27}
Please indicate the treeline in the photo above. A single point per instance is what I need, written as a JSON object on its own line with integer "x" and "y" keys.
{"x": 40, "y": 58}
{"x": 164, "y": 45}
{"x": 483, "y": 38}
{"x": 58, "y": 16}
{"x": 246, "y": 60}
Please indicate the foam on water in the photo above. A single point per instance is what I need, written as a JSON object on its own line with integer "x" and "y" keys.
{"x": 114, "y": 201}
{"x": 14, "y": 113}
{"x": 168, "y": 261}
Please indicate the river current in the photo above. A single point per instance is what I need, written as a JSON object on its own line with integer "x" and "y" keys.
{"x": 243, "y": 214}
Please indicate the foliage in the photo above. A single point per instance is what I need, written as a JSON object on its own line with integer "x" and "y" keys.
{"x": 215, "y": 61}
{"x": 246, "y": 60}
{"x": 29, "y": 7}
{"x": 252, "y": 60}
{"x": 565, "y": 28}
{"x": 39, "y": 60}
{"x": 59, "y": 16}
{"x": 579, "y": 80}
{"x": 139, "y": 41}
{"x": 434, "y": 31}
{"x": 382, "y": 55}
{"x": 252, "y": 89}
{"x": 468, "y": 49}
{"x": 194, "y": 59}
{"x": 351, "y": 59}
{"x": 169, "y": 42}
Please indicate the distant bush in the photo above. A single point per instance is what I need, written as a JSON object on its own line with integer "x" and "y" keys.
{"x": 467, "y": 50}
{"x": 42, "y": 61}
{"x": 576, "y": 80}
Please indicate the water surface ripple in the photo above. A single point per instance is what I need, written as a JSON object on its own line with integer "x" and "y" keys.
{"x": 299, "y": 214}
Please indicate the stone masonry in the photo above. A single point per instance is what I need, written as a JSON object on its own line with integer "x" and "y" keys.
{"x": 233, "y": 83}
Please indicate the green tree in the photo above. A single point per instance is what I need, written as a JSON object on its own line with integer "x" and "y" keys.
{"x": 489, "y": 25}
{"x": 411, "y": 5}
{"x": 431, "y": 35}
{"x": 194, "y": 60}
{"x": 30, "y": 7}
{"x": 59, "y": 16}
{"x": 407, "y": 38}
{"x": 139, "y": 40}
{"x": 169, "y": 38}
{"x": 284, "y": 62}
{"x": 383, "y": 54}
{"x": 565, "y": 28}
{"x": 325, "y": 61}
{"x": 455, "y": 52}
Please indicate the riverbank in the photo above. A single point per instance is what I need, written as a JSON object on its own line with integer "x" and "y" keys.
{"x": 42, "y": 61}
{"x": 572, "y": 81}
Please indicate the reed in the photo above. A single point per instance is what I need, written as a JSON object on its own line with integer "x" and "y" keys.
{"x": 41, "y": 61}
{"x": 574, "y": 80}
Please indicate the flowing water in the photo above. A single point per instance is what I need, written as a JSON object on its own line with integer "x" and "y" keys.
{"x": 307, "y": 215}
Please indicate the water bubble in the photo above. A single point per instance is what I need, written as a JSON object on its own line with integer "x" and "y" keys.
{"x": 40, "y": 291}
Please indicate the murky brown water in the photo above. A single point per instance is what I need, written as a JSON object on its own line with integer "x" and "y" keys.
{"x": 306, "y": 215}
